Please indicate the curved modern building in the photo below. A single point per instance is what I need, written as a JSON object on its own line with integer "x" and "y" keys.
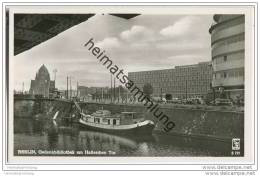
{"x": 228, "y": 54}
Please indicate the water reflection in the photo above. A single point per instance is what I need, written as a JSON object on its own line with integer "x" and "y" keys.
{"x": 56, "y": 135}
{"x": 53, "y": 135}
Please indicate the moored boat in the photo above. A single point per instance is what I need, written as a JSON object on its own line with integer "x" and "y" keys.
{"x": 123, "y": 123}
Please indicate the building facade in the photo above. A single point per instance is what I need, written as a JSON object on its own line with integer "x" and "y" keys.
{"x": 181, "y": 82}
{"x": 86, "y": 91}
{"x": 42, "y": 85}
{"x": 228, "y": 54}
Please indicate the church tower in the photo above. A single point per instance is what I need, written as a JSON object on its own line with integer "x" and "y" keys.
{"x": 42, "y": 82}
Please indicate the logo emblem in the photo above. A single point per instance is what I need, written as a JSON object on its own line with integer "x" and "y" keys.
{"x": 235, "y": 144}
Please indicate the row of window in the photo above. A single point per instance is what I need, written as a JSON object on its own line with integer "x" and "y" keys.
{"x": 173, "y": 72}
{"x": 176, "y": 80}
{"x": 176, "y": 86}
{"x": 228, "y": 41}
{"x": 181, "y": 89}
{"x": 171, "y": 75}
{"x": 175, "y": 77}
{"x": 229, "y": 74}
{"x": 170, "y": 72}
{"x": 228, "y": 58}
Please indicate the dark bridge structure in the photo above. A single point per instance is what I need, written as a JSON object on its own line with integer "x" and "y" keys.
{"x": 33, "y": 29}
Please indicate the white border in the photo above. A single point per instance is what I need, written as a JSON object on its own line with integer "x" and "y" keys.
{"x": 249, "y": 148}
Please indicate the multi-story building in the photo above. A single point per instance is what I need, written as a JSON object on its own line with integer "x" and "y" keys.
{"x": 42, "y": 85}
{"x": 182, "y": 81}
{"x": 85, "y": 91}
{"x": 228, "y": 53}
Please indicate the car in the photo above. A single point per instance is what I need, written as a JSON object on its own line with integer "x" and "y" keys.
{"x": 223, "y": 101}
{"x": 175, "y": 101}
{"x": 212, "y": 103}
{"x": 187, "y": 101}
{"x": 159, "y": 100}
{"x": 239, "y": 101}
{"x": 197, "y": 100}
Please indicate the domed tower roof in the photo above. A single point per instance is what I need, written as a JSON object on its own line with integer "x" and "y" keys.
{"x": 43, "y": 69}
{"x": 43, "y": 72}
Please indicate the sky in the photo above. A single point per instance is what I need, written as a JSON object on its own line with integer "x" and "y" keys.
{"x": 146, "y": 42}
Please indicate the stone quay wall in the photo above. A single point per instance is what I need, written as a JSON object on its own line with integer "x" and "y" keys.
{"x": 218, "y": 124}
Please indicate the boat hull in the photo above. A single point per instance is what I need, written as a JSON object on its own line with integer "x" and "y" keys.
{"x": 145, "y": 128}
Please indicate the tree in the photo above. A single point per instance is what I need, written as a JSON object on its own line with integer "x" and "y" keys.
{"x": 222, "y": 92}
{"x": 148, "y": 89}
{"x": 168, "y": 96}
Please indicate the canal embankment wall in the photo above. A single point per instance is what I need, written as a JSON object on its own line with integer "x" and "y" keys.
{"x": 217, "y": 124}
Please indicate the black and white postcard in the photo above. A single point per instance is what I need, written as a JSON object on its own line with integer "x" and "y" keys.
{"x": 130, "y": 84}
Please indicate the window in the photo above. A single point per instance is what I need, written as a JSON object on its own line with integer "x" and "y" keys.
{"x": 225, "y": 74}
{"x": 114, "y": 121}
{"x": 241, "y": 73}
{"x": 236, "y": 73}
{"x": 231, "y": 74}
{"x": 225, "y": 58}
{"x": 97, "y": 120}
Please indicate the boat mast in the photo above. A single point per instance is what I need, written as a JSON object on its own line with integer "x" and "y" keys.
{"x": 114, "y": 90}
{"x": 111, "y": 90}
{"x": 67, "y": 93}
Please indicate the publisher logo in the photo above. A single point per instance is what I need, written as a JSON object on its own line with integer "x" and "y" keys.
{"x": 235, "y": 144}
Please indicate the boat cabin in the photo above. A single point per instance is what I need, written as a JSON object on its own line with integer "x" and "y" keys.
{"x": 106, "y": 118}
{"x": 131, "y": 117}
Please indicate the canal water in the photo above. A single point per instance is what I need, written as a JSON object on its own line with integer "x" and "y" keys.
{"x": 56, "y": 138}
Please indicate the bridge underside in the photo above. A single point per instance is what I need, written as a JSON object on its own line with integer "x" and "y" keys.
{"x": 33, "y": 29}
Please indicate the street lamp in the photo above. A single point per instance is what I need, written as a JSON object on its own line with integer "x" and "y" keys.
{"x": 55, "y": 71}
